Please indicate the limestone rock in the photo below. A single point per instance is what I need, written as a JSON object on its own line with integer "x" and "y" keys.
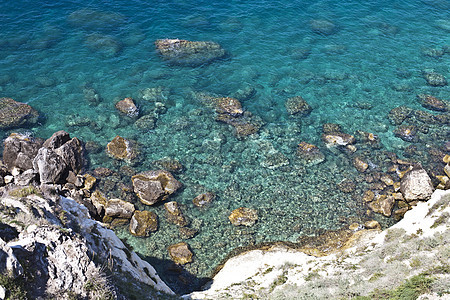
{"x": 119, "y": 209}
{"x": 19, "y": 151}
{"x": 298, "y": 106}
{"x": 180, "y": 253}
{"x": 189, "y": 53}
{"x": 15, "y": 114}
{"x": 50, "y": 166}
{"x": 204, "y": 199}
{"x": 154, "y": 186}
{"x": 416, "y": 185}
{"x": 122, "y": 149}
{"x": 174, "y": 214}
{"x": 128, "y": 107}
{"x": 309, "y": 154}
{"x": 382, "y": 204}
{"x": 432, "y": 102}
{"x": 57, "y": 139}
{"x": 243, "y": 216}
{"x": 143, "y": 222}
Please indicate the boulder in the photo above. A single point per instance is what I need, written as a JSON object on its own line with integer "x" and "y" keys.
{"x": 204, "y": 199}
{"x": 128, "y": 107}
{"x": 72, "y": 153}
{"x": 244, "y": 125}
{"x": 15, "y": 114}
{"x": 118, "y": 208}
{"x": 399, "y": 114}
{"x": 174, "y": 214}
{"x": 122, "y": 149}
{"x": 143, "y": 222}
{"x": 180, "y": 253}
{"x": 416, "y": 185}
{"x": 19, "y": 150}
{"x": 50, "y": 166}
{"x": 154, "y": 186}
{"x": 57, "y": 139}
{"x": 172, "y": 165}
{"x": 323, "y": 27}
{"x": 432, "y": 102}
{"x": 227, "y": 105}
{"x": 243, "y": 216}
{"x": 382, "y": 204}
{"x": 298, "y": 106}
{"x": 337, "y": 139}
{"x": 188, "y": 53}
{"x": 435, "y": 79}
{"x": 360, "y": 164}
{"x": 408, "y": 133}
{"x": 146, "y": 123}
{"x": 99, "y": 202}
{"x": 9, "y": 264}
{"x": 106, "y": 45}
{"x": 309, "y": 154}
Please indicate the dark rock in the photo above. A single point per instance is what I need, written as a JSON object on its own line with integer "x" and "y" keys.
{"x": 399, "y": 114}
{"x": 154, "y": 186}
{"x": 15, "y": 114}
{"x": 432, "y": 103}
{"x": 174, "y": 214}
{"x": 298, "y": 106}
{"x": 416, "y": 185}
{"x": 180, "y": 253}
{"x": 50, "y": 166}
{"x": 143, "y": 222}
{"x": 169, "y": 164}
{"x": 203, "y": 199}
{"x": 19, "y": 151}
{"x": 8, "y": 233}
{"x": 72, "y": 153}
{"x": 106, "y": 45}
{"x": 145, "y": 123}
{"x": 57, "y": 139}
{"x": 189, "y": 53}
{"x": 408, "y": 133}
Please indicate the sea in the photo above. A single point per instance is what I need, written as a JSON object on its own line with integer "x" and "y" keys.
{"x": 353, "y": 62}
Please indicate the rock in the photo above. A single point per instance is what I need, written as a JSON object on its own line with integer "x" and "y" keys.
{"x": 346, "y": 186}
{"x": 72, "y": 153}
{"x": 435, "y": 79}
{"x": 360, "y": 164}
{"x": 19, "y": 150}
{"x": 169, "y": 164}
{"x": 174, "y": 214}
{"x": 309, "y": 154}
{"x": 145, "y": 123}
{"x": 99, "y": 202}
{"x": 433, "y": 52}
{"x": 297, "y": 106}
{"x": 89, "y": 181}
{"x": 243, "y": 216}
{"x": 416, "y": 185}
{"x": 372, "y": 224}
{"x": 387, "y": 179}
{"x": 15, "y": 114}
{"x": 50, "y": 166}
{"x": 26, "y": 178}
{"x": 368, "y": 196}
{"x": 119, "y": 209}
{"x": 382, "y": 204}
{"x": 408, "y": 133}
{"x": 106, "y": 45}
{"x": 322, "y": 26}
{"x": 95, "y": 20}
{"x": 432, "y": 102}
{"x": 187, "y": 233}
{"x": 204, "y": 199}
{"x": 127, "y": 107}
{"x": 180, "y": 253}
{"x": 9, "y": 264}
{"x": 91, "y": 96}
{"x": 122, "y": 149}
{"x": 337, "y": 139}
{"x": 227, "y": 105}
{"x": 189, "y": 53}
{"x": 244, "y": 125}
{"x": 154, "y": 186}
{"x": 143, "y": 222}
{"x": 399, "y": 114}
{"x": 274, "y": 159}
{"x": 245, "y": 93}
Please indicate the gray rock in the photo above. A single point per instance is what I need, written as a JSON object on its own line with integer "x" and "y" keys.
{"x": 8, "y": 261}
{"x": 19, "y": 151}
{"x": 416, "y": 185}
{"x": 58, "y": 139}
{"x": 14, "y": 114}
{"x": 26, "y": 178}
{"x": 73, "y": 154}
{"x": 119, "y": 209}
{"x": 154, "y": 186}
{"x": 50, "y": 166}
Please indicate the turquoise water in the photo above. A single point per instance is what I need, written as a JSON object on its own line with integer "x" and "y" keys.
{"x": 372, "y": 63}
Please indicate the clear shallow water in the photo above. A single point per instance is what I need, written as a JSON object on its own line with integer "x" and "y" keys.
{"x": 374, "y": 61}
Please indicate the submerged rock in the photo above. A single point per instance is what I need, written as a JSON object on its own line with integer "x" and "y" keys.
{"x": 309, "y": 154}
{"x": 180, "y": 253}
{"x": 204, "y": 199}
{"x": 408, "y": 133}
{"x": 104, "y": 44}
{"x": 298, "y": 106}
{"x": 122, "y": 149}
{"x": 15, "y": 114}
{"x": 169, "y": 164}
{"x": 227, "y": 105}
{"x": 416, "y": 185}
{"x": 435, "y": 79}
{"x": 432, "y": 102}
{"x": 128, "y": 107}
{"x": 174, "y": 214}
{"x": 144, "y": 222}
{"x": 337, "y": 139}
{"x": 154, "y": 186}
{"x": 243, "y": 216}
{"x": 95, "y": 19}
{"x": 244, "y": 125}
{"x": 322, "y": 26}
{"x": 399, "y": 114}
{"x": 189, "y": 53}
{"x": 360, "y": 164}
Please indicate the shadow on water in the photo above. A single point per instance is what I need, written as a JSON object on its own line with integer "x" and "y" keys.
{"x": 176, "y": 276}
